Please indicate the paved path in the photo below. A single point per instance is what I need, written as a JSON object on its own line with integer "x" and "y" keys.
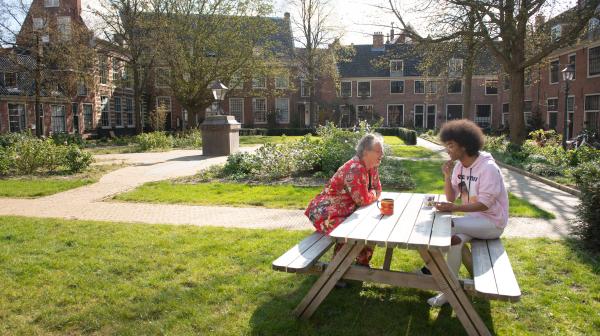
{"x": 90, "y": 202}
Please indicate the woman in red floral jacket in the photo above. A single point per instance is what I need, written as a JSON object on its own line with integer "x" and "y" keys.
{"x": 356, "y": 183}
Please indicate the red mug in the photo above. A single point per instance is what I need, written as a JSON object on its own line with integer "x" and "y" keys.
{"x": 387, "y": 206}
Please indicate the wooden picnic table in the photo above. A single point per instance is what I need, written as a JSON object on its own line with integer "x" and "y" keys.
{"x": 414, "y": 225}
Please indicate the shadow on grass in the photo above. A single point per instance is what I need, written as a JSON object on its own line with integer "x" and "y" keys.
{"x": 366, "y": 309}
{"x": 583, "y": 253}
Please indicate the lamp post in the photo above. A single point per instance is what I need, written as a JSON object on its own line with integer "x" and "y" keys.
{"x": 568, "y": 72}
{"x": 219, "y": 90}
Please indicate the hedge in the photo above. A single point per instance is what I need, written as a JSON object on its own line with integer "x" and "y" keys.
{"x": 409, "y": 136}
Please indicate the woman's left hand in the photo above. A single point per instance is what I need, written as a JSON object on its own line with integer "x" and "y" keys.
{"x": 445, "y": 206}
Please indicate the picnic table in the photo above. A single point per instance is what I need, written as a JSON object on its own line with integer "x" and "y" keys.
{"x": 413, "y": 225}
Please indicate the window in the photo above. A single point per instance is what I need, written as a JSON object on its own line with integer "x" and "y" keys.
{"x": 38, "y": 24}
{"x": 419, "y": 112}
{"x": 572, "y": 61}
{"x": 128, "y": 77}
{"x": 483, "y": 115}
{"x": 419, "y": 87}
{"x": 163, "y": 75}
{"x": 259, "y": 109}
{"x": 259, "y": 82}
{"x": 396, "y": 68}
{"x": 491, "y": 87}
{"x": 103, "y": 70}
{"x": 282, "y": 108}
{"x": 304, "y": 92}
{"x": 364, "y": 89}
{"x": 592, "y": 111}
{"x": 396, "y": 86}
{"x": 117, "y": 108}
{"x": 430, "y": 118}
{"x": 236, "y": 109}
{"x": 64, "y": 27}
{"x": 594, "y": 61}
{"x": 506, "y": 81}
{"x": 129, "y": 111}
{"x": 104, "y": 122}
{"x": 505, "y": 112}
{"x": 58, "y": 122}
{"x": 527, "y": 74}
{"x": 395, "y": 117}
{"x": 455, "y": 86}
{"x": 527, "y": 112}
{"x": 554, "y": 70}
{"x": 455, "y": 67}
{"x": 346, "y": 89}
{"x": 571, "y": 112}
{"x": 281, "y": 82}
{"x": 365, "y": 112}
{"x": 51, "y": 3}
{"x": 9, "y": 79}
{"x": 236, "y": 81}
{"x": 116, "y": 69}
{"x": 87, "y": 117}
{"x": 82, "y": 89}
{"x": 431, "y": 87}
{"x": 552, "y": 112}
{"x": 16, "y": 117}
{"x": 165, "y": 103}
{"x": 454, "y": 111}
{"x": 593, "y": 27}
{"x": 75, "y": 116}
{"x": 555, "y": 32}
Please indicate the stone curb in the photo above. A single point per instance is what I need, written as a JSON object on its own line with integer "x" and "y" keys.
{"x": 546, "y": 181}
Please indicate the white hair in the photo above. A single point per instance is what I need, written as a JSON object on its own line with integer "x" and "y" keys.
{"x": 367, "y": 142}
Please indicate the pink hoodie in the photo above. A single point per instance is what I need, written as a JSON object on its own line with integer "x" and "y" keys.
{"x": 483, "y": 182}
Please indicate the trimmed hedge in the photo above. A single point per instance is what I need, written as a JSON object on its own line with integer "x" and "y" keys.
{"x": 277, "y": 131}
{"x": 409, "y": 136}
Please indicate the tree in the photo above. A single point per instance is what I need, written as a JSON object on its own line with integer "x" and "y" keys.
{"x": 504, "y": 27}
{"x": 206, "y": 41}
{"x": 51, "y": 56}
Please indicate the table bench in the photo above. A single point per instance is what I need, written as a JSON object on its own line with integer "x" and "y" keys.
{"x": 413, "y": 225}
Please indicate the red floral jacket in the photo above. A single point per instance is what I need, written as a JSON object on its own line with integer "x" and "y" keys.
{"x": 351, "y": 187}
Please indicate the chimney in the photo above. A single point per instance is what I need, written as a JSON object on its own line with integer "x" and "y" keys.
{"x": 539, "y": 21}
{"x": 286, "y": 16}
{"x": 378, "y": 40}
{"x": 401, "y": 38}
{"x": 392, "y": 33}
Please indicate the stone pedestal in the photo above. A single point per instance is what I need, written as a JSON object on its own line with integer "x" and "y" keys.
{"x": 220, "y": 135}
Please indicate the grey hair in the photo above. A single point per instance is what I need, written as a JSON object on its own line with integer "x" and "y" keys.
{"x": 367, "y": 142}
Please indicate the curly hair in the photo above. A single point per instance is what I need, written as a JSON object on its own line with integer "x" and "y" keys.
{"x": 465, "y": 133}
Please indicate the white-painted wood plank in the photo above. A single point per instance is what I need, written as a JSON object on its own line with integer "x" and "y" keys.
{"x": 483, "y": 272}
{"x": 406, "y": 222}
{"x": 506, "y": 282}
{"x": 288, "y": 257}
{"x": 421, "y": 232}
{"x": 348, "y": 225}
{"x": 441, "y": 232}
{"x": 308, "y": 257}
{"x": 384, "y": 228}
{"x": 366, "y": 226}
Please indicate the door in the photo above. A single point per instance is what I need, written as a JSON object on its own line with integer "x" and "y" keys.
{"x": 431, "y": 116}
{"x": 75, "y": 114}
{"x": 419, "y": 118}
{"x": 303, "y": 111}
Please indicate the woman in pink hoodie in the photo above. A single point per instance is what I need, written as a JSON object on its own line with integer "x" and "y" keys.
{"x": 476, "y": 180}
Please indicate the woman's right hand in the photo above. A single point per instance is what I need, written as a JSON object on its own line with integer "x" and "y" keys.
{"x": 447, "y": 168}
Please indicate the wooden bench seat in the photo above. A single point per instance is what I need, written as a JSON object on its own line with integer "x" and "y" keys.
{"x": 493, "y": 275}
{"x": 302, "y": 256}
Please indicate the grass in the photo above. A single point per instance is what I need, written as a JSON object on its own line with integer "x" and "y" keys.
{"x": 413, "y": 152}
{"x": 80, "y": 277}
{"x": 36, "y": 186}
{"x": 263, "y": 139}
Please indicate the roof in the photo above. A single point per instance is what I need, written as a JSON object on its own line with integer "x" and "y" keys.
{"x": 22, "y": 65}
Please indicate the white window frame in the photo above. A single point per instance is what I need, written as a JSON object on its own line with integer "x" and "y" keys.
{"x": 303, "y": 89}
{"x": 116, "y": 69}
{"x": 39, "y": 23}
{"x": 588, "y": 61}
{"x": 485, "y": 88}
{"x": 51, "y": 3}
{"x": 118, "y": 114}
{"x": 415, "y": 86}
{"x": 505, "y": 114}
{"x": 431, "y": 84}
{"x": 85, "y": 118}
{"x": 254, "y": 110}
{"x": 548, "y": 110}
{"x": 527, "y": 113}
{"x": 278, "y": 100}
{"x": 387, "y": 116}
{"x": 103, "y": 69}
{"x": 491, "y": 113}
{"x": 129, "y": 111}
{"x": 367, "y": 107}
{"x": 424, "y": 114}
{"x": 157, "y": 73}
{"x": 403, "y": 87}
{"x": 462, "y": 110}
{"x": 585, "y": 112}
{"x": 259, "y": 85}
{"x": 427, "y": 114}
{"x": 358, "y": 84}
{"x": 64, "y": 27}
{"x": 574, "y": 63}
{"x": 232, "y": 99}
{"x": 394, "y": 68}
{"x": 104, "y": 109}
{"x": 282, "y": 79}
{"x": 22, "y": 116}
{"x": 452, "y": 64}
{"x": 16, "y": 79}
{"x": 550, "y": 72}
{"x": 556, "y": 32}
{"x": 53, "y": 116}
{"x": 448, "y": 87}
{"x": 341, "y": 94}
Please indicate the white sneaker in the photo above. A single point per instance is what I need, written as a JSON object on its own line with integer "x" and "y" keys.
{"x": 438, "y": 300}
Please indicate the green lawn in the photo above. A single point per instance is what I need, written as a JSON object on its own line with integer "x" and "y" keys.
{"x": 36, "y": 186}
{"x": 263, "y": 139}
{"x": 77, "y": 277}
{"x": 412, "y": 152}
{"x": 393, "y": 140}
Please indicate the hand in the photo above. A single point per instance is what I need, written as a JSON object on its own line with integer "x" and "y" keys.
{"x": 447, "y": 168}
{"x": 445, "y": 206}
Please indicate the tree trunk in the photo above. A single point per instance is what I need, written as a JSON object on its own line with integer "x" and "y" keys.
{"x": 137, "y": 98}
{"x": 468, "y": 72}
{"x": 517, "y": 96}
{"x": 39, "y": 121}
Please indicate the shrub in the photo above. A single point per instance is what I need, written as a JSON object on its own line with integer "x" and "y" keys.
{"x": 9, "y": 139}
{"x": 543, "y": 169}
{"x": 409, "y": 136}
{"x": 393, "y": 175}
{"x": 253, "y": 131}
{"x": 76, "y": 160}
{"x": 188, "y": 139}
{"x": 7, "y": 160}
{"x": 154, "y": 140}
{"x": 337, "y": 146}
{"x": 68, "y": 139}
{"x": 587, "y": 179}
{"x": 240, "y": 165}
{"x": 30, "y": 155}
{"x": 290, "y": 131}
{"x": 495, "y": 144}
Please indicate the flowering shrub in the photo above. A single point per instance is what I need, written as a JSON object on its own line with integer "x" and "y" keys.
{"x": 154, "y": 140}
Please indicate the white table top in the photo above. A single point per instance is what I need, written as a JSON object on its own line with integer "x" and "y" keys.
{"x": 413, "y": 224}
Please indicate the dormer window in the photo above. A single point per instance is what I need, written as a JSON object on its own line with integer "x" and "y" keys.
{"x": 555, "y": 32}
{"x": 455, "y": 67}
{"x": 396, "y": 68}
{"x": 9, "y": 79}
{"x": 38, "y": 24}
{"x": 64, "y": 27}
{"x": 51, "y": 3}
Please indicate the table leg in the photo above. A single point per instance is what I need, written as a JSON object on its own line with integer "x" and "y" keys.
{"x": 334, "y": 272}
{"x": 450, "y": 286}
{"x": 387, "y": 262}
